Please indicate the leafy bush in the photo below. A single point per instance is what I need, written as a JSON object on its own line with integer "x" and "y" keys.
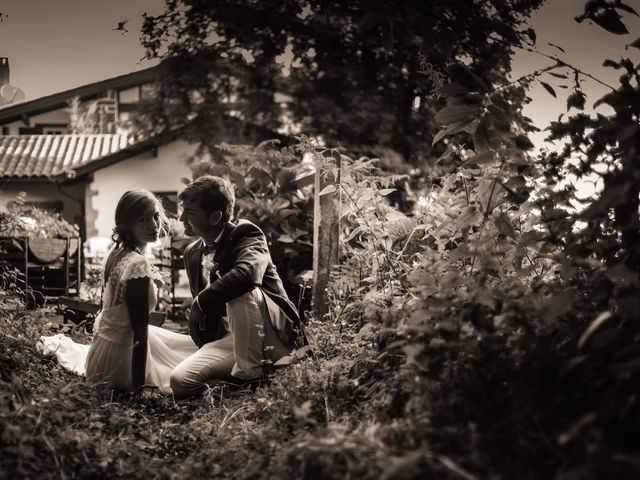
{"x": 269, "y": 194}
{"x": 22, "y": 219}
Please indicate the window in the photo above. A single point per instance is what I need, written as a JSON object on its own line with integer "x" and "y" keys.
{"x": 130, "y": 95}
{"x": 5, "y": 130}
{"x": 54, "y": 129}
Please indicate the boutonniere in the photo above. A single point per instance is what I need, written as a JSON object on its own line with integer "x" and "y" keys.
{"x": 207, "y": 262}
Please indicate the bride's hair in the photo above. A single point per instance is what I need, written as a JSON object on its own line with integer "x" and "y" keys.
{"x": 132, "y": 206}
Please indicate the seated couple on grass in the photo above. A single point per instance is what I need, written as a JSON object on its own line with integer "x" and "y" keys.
{"x": 240, "y": 321}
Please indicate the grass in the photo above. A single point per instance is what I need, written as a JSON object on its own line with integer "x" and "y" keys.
{"x": 357, "y": 409}
{"x": 56, "y": 426}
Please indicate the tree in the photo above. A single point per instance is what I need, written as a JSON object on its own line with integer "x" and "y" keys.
{"x": 361, "y": 74}
{"x": 83, "y": 117}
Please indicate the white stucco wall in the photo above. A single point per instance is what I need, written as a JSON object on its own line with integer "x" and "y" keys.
{"x": 160, "y": 173}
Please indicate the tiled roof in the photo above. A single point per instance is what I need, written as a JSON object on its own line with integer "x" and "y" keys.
{"x": 29, "y": 156}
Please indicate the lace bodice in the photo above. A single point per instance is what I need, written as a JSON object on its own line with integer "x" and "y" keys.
{"x": 131, "y": 265}
{"x": 113, "y": 323}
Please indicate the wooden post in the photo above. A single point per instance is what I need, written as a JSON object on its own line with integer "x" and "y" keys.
{"x": 326, "y": 232}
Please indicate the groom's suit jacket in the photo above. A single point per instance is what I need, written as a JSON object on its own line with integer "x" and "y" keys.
{"x": 241, "y": 262}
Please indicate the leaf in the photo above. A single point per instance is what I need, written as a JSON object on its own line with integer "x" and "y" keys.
{"x": 626, "y": 8}
{"x": 558, "y": 75}
{"x": 499, "y": 118}
{"x": 439, "y": 136}
{"x": 531, "y": 33}
{"x": 549, "y": 89}
{"x": 577, "y": 100}
{"x": 609, "y": 19}
{"x": 452, "y": 89}
{"x": 503, "y": 223}
{"x": 618, "y": 102}
{"x": 463, "y": 75}
{"x": 610, "y": 63}
{"x": 285, "y": 239}
{"x": 386, "y": 191}
{"x": 635, "y": 43}
{"x": 487, "y": 156}
{"x": 482, "y": 136}
{"x": 354, "y": 232}
{"x": 456, "y": 113}
{"x": 603, "y": 317}
{"x": 327, "y": 190}
{"x": 523, "y": 142}
{"x": 556, "y": 46}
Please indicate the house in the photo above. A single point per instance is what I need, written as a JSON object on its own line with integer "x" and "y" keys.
{"x": 82, "y": 176}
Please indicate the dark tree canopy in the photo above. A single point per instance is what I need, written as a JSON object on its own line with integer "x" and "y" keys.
{"x": 357, "y": 73}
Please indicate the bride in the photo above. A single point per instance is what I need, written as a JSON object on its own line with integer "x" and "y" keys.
{"x": 126, "y": 352}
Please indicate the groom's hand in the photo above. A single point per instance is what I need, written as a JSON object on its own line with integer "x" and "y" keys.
{"x": 196, "y": 324}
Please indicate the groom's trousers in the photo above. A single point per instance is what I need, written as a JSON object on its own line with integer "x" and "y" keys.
{"x": 251, "y": 343}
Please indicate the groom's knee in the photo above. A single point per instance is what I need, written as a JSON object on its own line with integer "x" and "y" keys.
{"x": 182, "y": 384}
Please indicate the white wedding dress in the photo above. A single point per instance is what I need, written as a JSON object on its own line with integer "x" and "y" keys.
{"x": 108, "y": 359}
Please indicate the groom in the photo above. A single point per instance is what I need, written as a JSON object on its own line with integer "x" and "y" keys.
{"x": 241, "y": 317}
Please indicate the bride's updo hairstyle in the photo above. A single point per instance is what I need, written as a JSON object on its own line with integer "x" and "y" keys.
{"x": 132, "y": 206}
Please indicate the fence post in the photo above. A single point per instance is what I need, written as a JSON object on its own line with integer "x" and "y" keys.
{"x": 326, "y": 232}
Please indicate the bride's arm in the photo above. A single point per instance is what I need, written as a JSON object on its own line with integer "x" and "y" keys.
{"x": 137, "y": 294}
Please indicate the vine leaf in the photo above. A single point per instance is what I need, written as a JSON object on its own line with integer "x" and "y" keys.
{"x": 577, "y": 100}
{"x": 456, "y": 113}
{"x": 609, "y": 19}
{"x": 558, "y": 75}
{"x": 557, "y": 46}
{"x": 626, "y": 8}
{"x": 327, "y": 190}
{"x": 635, "y": 43}
{"x": 549, "y": 89}
{"x": 504, "y": 225}
{"x": 464, "y": 76}
{"x": 439, "y": 136}
{"x": 523, "y": 142}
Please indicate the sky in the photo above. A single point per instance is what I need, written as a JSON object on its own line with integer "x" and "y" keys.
{"x": 55, "y": 45}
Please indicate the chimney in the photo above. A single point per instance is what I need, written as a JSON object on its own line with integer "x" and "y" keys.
{"x": 4, "y": 71}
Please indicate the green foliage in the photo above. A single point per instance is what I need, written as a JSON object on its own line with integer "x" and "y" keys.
{"x": 273, "y": 190}
{"x": 491, "y": 332}
{"x": 514, "y": 315}
{"x": 22, "y": 219}
{"x": 361, "y": 74}
{"x": 83, "y": 118}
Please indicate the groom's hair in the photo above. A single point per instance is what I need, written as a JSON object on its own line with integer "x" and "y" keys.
{"x": 212, "y": 194}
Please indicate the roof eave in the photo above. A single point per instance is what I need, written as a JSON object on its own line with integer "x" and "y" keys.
{"x": 84, "y": 92}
